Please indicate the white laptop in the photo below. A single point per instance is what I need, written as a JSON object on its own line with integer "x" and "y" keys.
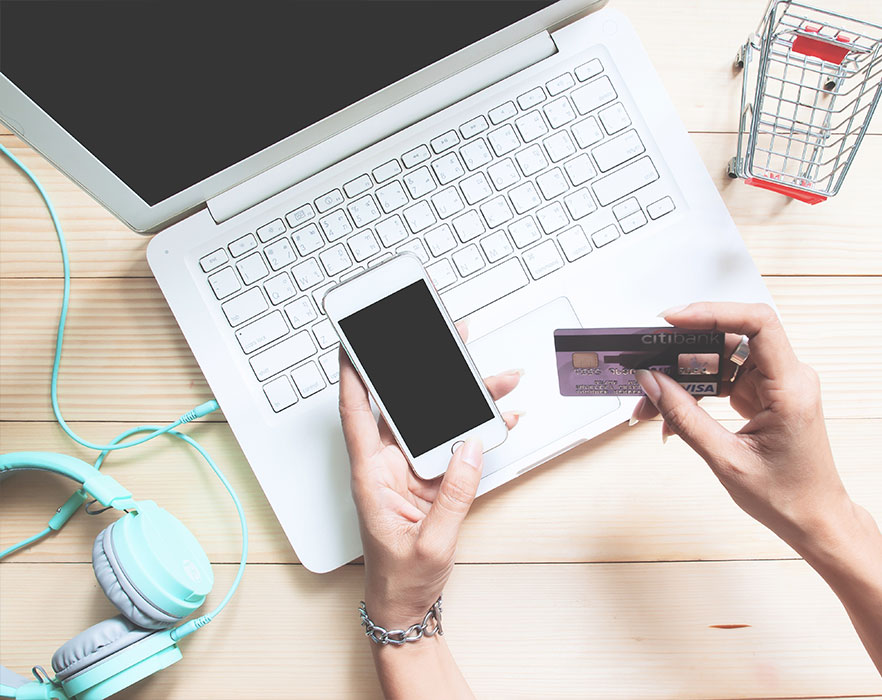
{"x": 525, "y": 151}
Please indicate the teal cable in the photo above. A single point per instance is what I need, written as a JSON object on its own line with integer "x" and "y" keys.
{"x": 24, "y": 543}
{"x": 198, "y": 412}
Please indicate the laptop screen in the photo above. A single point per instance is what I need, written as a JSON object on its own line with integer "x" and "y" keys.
{"x": 166, "y": 94}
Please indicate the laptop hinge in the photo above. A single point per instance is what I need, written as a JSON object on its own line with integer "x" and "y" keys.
{"x": 395, "y": 118}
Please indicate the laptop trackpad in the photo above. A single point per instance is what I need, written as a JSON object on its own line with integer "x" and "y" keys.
{"x": 528, "y": 343}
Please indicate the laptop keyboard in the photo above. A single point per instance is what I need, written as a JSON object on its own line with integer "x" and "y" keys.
{"x": 490, "y": 207}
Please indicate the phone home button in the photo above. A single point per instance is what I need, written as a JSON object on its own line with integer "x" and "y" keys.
{"x": 456, "y": 446}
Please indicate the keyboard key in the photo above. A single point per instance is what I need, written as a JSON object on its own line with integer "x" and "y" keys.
{"x": 625, "y": 181}
{"x": 214, "y": 260}
{"x": 475, "y": 188}
{"x": 559, "y": 84}
{"x": 386, "y": 171}
{"x": 330, "y": 363}
{"x": 245, "y": 306}
{"x": 626, "y": 208}
{"x": 559, "y": 112}
{"x": 591, "y": 96}
{"x": 588, "y": 70}
{"x": 574, "y": 243}
{"x": 524, "y": 197}
{"x": 503, "y": 140}
{"x": 579, "y": 169}
{"x": 335, "y": 225}
{"x": 618, "y": 150}
{"x": 633, "y": 222}
{"x": 531, "y": 126}
{"x": 496, "y": 246}
{"x": 531, "y": 98}
{"x": 531, "y": 160}
{"x": 252, "y": 268}
{"x": 502, "y": 112}
{"x": 280, "y": 253}
{"x": 328, "y": 201}
{"x": 280, "y": 393}
{"x": 391, "y": 231}
{"x": 485, "y": 288}
{"x": 242, "y": 245}
{"x": 524, "y": 232}
{"x": 307, "y": 239}
{"x": 300, "y": 312}
{"x": 416, "y": 247}
{"x": 614, "y": 118}
{"x": 552, "y": 183}
{"x": 318, "y": 296}
{"x": 271, "y": 230}
{"x": 468, "y": 260}
{"x": 660, "y": 208}
{"x": 308, "y": 379}
{"x": 307, "y": 274}
{"x": 503, "y": 174}
{"x": 446, "y": 140}
{"x": 354, "y": 272}
{"x": 605, "y": 235}
{"x": 542, "y": 259}
{"x": 496, "y": 211}
{"x": 440, "y": 240}
{"x": 441, "y": 274}
{"x": 419, "y": 182}
{"x": 552, "y": 218}
{"x": 335, "y": 259}
{"x": 355, "y": 187}
{"x": 363, "y": 245}
{"x": 473, "y": 126}
{"x": 448, "y": 168}
{"x": 279, "y": 288}
{"x": 559, "y": 146}
{"x": 325, "y": 333}
{"x": 416, "y": 156}
{"x": 392, "y": 196}
{"x": 579, "y": 204}
{"x": 475, "y": 154}
{"x": 262, "y": 332}
{"x": 282, "y": 356}
{"x": 299, "y": 215}
{"x": 468, "y": 226}
{"x": 419, "y": 217}
{"x": 364, "y": 211}
{"x": 224, "y": 283}
{"x": 447, "y": 202}
{"x": 587, "y": 132}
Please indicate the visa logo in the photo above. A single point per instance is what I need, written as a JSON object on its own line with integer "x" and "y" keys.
{"x": 701, "y": 388}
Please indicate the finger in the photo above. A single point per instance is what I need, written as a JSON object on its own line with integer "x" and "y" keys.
{"x": 455, "y": 496}
{"x": 359, "y": 427}
{"x": 462, "y": 326}
{"x": 666, "y": 432}
{"x": 769, "y": 346}
{"x": 644, "y": 410}
{"x": 511, "y": 418}
{"x": 686, "y": 418}
{"x": 501, "y": 384}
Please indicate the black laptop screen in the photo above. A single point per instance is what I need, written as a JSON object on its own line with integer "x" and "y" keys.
{"x": 166, "y": 94}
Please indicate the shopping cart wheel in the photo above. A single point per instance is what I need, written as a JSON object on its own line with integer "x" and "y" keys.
{"x": 731, "y": 169}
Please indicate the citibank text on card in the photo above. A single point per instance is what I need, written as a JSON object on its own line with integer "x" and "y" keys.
{"x": 603, "y": 361}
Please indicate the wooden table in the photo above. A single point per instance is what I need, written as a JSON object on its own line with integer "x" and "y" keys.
{"x": 621, "y": 569}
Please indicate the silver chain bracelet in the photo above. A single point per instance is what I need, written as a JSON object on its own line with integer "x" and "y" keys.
{"x": 430, "y": 625}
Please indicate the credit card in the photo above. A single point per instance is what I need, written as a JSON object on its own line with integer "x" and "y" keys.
{"x": 603, "y": 361}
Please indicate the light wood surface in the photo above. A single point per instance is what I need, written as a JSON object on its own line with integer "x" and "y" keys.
{"x": 606, "y": 573}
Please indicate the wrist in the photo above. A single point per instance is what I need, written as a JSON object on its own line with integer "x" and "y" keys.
{"x": 837, "y": 539}
{"x": 397, "y": 608}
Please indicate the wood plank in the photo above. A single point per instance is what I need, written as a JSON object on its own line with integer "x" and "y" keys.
{"x": 621, "y": 497}
{"x": 605, "y": 631}
{"x": 126, "y": 358}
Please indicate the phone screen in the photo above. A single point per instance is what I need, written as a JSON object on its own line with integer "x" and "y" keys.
{"x": 416, "y": 367}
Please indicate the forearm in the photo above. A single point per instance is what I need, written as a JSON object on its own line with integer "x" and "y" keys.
{"x": 424, "y": 669}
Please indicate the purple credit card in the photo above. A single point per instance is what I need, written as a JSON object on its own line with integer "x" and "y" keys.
{"x": 603, "y": 361}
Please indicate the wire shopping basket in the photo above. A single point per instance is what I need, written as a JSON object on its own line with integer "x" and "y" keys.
{"x": 815, "y": 77}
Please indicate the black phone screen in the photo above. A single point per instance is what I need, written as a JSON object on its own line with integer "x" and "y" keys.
{"x": 416, "y": 367}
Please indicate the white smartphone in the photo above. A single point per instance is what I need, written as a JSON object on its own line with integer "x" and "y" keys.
{"x": 408, "y": 352}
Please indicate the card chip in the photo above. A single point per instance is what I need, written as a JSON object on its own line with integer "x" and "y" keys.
{"x": 585, "y": 360}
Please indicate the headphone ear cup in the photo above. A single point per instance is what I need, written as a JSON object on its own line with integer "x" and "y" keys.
{"x": 119, "y": 589}
{"x": 94, "y": 644}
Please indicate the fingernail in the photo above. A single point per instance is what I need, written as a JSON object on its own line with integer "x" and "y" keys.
{"x": 673, "y": 310}
{"x": 464, "y": 322}
{"x": 649, "y": 385}
{"x": 472, "y": 452}
{"x": 633, "y": 420}
{"x": 519, "y": 413}
{"x": 520, "y": 372}
{"x": 664, "y": 438}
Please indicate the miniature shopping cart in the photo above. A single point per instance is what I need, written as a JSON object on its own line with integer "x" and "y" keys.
{"x": 811, "y": 82}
